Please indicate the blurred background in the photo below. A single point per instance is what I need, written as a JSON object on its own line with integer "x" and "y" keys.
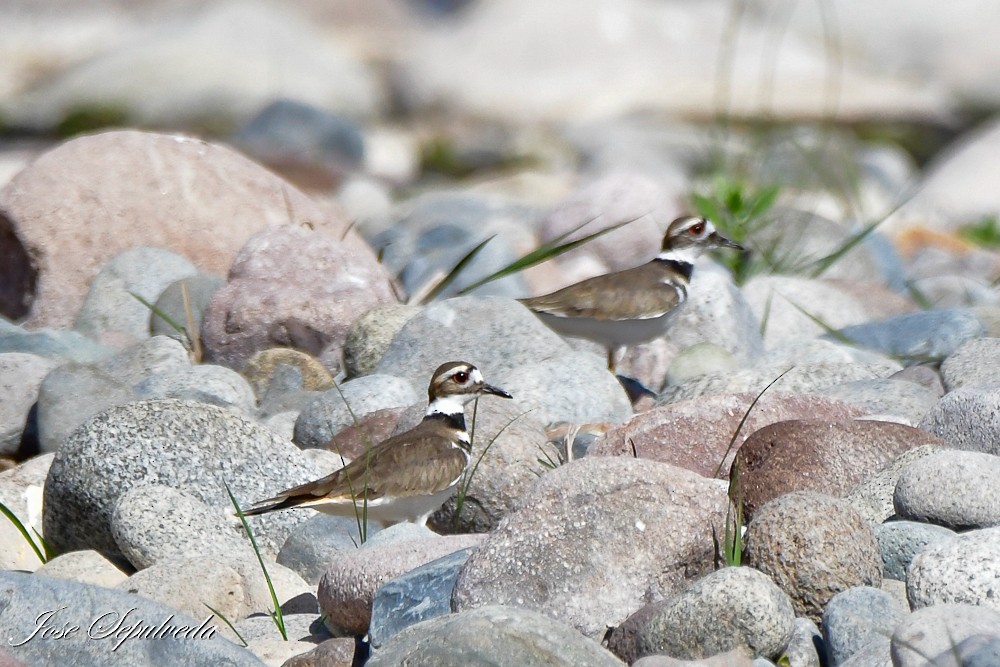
{"x": 857, "y": 112}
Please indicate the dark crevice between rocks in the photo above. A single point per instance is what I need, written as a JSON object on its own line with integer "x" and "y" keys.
{"x": 18, "y": 274}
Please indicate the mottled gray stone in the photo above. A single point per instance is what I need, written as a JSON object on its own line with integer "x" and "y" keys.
{"x": 872, "y": 654}
{"x": 857, "y": 617}
{"x": 963, "y": 569}
{"x": 613, "y": 531}
{"x": 205, "y": 383}
{"x": 152, "y": 356}
{"x": 806, "y": 645}
{"x": 27, "y": 596}
{"x": 313, "y": 545}
{"x": 418, "y": 595}
{"x": 110, "y": 313}
{"x": 907, "y": 401}
{"x": 968, "y": 418}
{"x": 71, "y": 395}
{"x": 975, "y": 362}
{"x": 327, "y": 414}
{"x": 514, "y": 350}
{"x": 21, "y": 376}
{"x": 499, "y": 636}
{"x": 799, "y": 378}
{"x": 900, "y": 541}
{"x": 153, "y": 522}
{"x": 937, "y": 636}
{"x": 950, "y": 488}
{"x": 370, "y": 336}
{"x": 873, "y": 497}
{"x": 928, "y": 333}
{"x": 193, "y": 447}
{"x": 303, "y": 626}
{"x": 814, "y": 547}
{"x": 83, "y": 567}
{"x": 731, "y": 608}
{"x": 199, "y": 287}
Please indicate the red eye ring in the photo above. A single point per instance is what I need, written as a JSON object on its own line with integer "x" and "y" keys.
{"x": 697, "y": 230}
{"x": 461, "y": 377}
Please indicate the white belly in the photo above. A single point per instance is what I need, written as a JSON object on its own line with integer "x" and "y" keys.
{"x": 415, "y": 509}
{"x": 610, "y": 333}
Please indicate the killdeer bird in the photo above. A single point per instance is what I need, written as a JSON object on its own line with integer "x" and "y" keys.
{"x": 635, "y": 305}
{"x": 408, "y": 476}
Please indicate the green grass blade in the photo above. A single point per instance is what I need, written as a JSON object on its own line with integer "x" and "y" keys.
{"x": 543, "y": 253}
{"x": 824, "y": 263}
{"x": 834, "y": 333}
{"x": 222, "y": 617}
{"x": 44, "y": 557}
{"x": 162, "y": 315}
{"x": 743, "y": 421}
{"x": 276, "y": 615}
{"x": 455, "y": 271}
{"x": 360, "y": 516}
{"x": 763, "y": 201}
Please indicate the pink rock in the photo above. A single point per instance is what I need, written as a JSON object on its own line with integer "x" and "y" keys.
{"x": 86, "y": 200}
{"x": 292, "y": 287}
{"x": 695, "y": 433}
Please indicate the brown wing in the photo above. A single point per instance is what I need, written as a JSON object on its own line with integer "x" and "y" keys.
{"x": 637, "y": 293}
{"x": 411, "y": 463}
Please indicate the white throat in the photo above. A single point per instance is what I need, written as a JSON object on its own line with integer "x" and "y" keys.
{"x": 446, "y": 405}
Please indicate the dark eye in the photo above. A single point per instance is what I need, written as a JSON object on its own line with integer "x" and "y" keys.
{"x": 697, "y": 230}
{"x": 461, "y": 377}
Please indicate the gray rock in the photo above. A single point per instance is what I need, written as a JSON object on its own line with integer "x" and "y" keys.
{"x": 806, "y": 645}
{"x": 305, "y": 626}
{"x": 929, "y": 333}
{"x": 400, "y": 532}
{"x": 205, "y": 383}
{"x": 315, "y": 544}
{"x": 736, "y": 658}
{"x": 950, "y": 488}
{"x": 152, "y": 356}
{"x": 347, "y": 589}
{"x": 857, "y": 617}
{"x": 179, "y": 444}
{"x": 21, "y": 376}
{"x": 872, "y": 498}
{"x": 370, "y": 335}
{"x": 501, "y": 636}
{"x": 872, "y": 654}
{"x": 72, "y": 394}
{"x": 799, "y": 378}
{"x": 153, "y": 522}
{"x": 731, "y": 608}
{"x": 901, "y": 541}
{"x": 418, "y": 595}
{"x": 328, "y": 414}
{"x": 293, "y": 135}
{"x": 95, "y": 611}
{"x": 716, "y": 312}
{"x": 937, "y": 636}
{"x": 110, "y": 314}
{"x": 963, "y": 569}
{"x": 813, "y": 546}
{"x": 230, "y": 83}
{"x": 782, "y": 299}
{"x": 614, "y": 531}
{"x": 968, "y": 418}
{"x": 84, "y": 567}
{"x": 338, "y": 652}
{"x": 200, "y": 288}
{"x": 976, "y": 362}
{"x": 906, "y": 401}
{"x": 55, "y": 344}
{"x": 821, "y": 351}
{"x": 509, "y": 345}
{"x": 700, "y": 359}
{"x": 284, "y": 379}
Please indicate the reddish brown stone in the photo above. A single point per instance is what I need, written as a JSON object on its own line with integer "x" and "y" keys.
{"x": 828, "y": 457}
{"x": 696, "y": 433}
{"x": 81, "y": 203}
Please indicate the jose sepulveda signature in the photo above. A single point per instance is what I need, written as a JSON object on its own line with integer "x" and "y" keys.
{"x": 115, "y": 626}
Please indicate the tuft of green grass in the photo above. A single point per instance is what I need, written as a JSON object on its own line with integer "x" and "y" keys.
{"x": 91, "y": 117}
{"x": 276, "y": 614}
{"x": 41, "y": 548}
{"x": 360, "y": 515}
{"x": 225, "y": 620}
{"x": 191, "y": 335}
{"x": 984, "y": 232}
